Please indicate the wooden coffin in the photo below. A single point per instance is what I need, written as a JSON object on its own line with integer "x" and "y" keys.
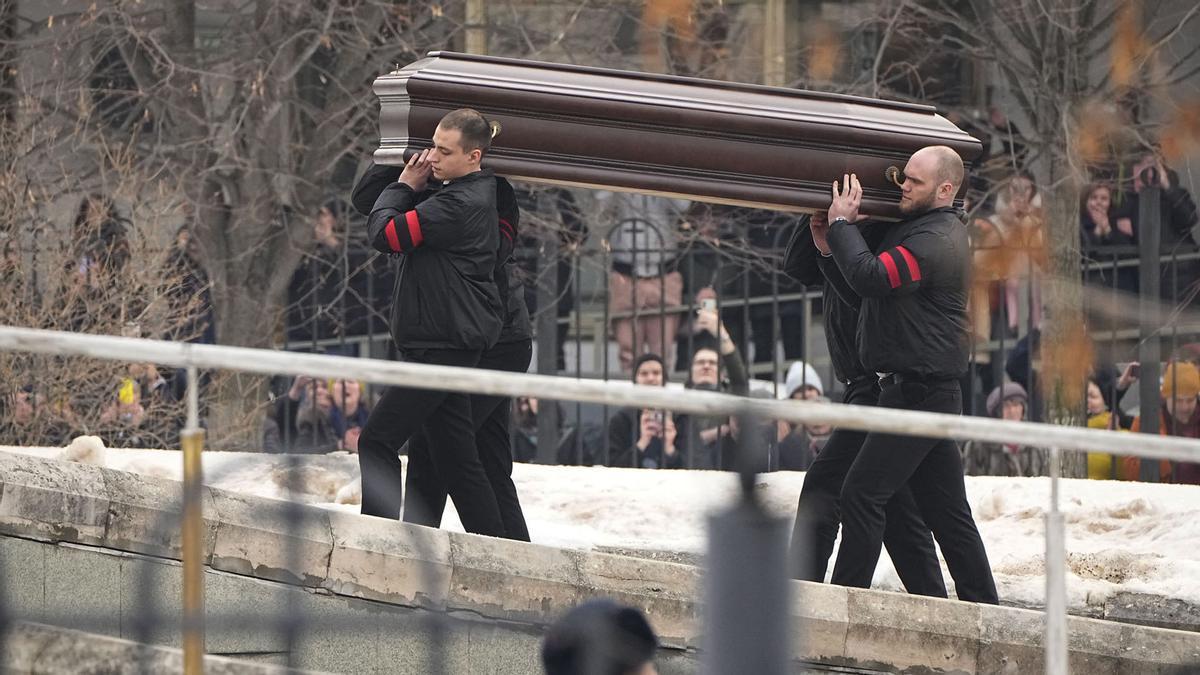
{"x": 766, "y": 147}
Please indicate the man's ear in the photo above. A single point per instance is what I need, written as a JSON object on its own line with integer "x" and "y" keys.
{"x": 477, "y": 155}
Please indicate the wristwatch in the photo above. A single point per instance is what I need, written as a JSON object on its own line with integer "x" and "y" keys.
{"x": 843, "y": 219}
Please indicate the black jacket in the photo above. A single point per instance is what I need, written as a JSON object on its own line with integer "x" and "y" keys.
{"x": 695, "y": 453}
{"x": 446, "y": 295}
{"x": 517, "y": 325}
{"x": 839, "y": 305}
{"x": 623, "y": 431}
{"x": 913, "y": 317}
{"x": 1177, "y": 211}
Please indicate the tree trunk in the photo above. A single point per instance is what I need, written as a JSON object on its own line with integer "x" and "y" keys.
{"x": 1066, "y": 349}
{"x": 8, "y": 63}
{"x": 252, "y": 252}
{"x": 236, "y": 401}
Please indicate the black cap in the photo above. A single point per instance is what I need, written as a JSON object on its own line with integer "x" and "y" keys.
{"x": 648, "y": 356}
{"x": 599, "y": 637}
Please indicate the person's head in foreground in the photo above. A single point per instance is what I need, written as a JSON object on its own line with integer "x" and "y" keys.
{"x": 600, "y": 637}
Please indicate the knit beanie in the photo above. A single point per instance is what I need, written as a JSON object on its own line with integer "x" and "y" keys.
{"x": 1180, "y": 379}
{"x": 1004, "y": 392}
{"x": 801, "y": 374}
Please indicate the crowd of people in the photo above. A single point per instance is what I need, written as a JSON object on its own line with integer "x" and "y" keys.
{"x": 672, "y": 292}
{"x": 898, "y": 328}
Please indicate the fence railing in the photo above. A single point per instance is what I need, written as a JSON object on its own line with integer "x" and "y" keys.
{"x": 772, "y": 319}
{"x": 935, "y": 425}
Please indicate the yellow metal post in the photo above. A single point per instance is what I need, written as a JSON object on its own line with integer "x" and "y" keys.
{"x": 192, "y": 440}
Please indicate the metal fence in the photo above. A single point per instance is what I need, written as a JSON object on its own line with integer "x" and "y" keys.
{"x": 596, "y": 301}
{"x": 734, "y": 633}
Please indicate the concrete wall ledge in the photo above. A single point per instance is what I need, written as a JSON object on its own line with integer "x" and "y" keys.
{"x": 37, "y": 648}
{"x": 527, "y": 584}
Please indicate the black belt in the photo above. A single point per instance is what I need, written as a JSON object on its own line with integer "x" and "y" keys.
{"x": 889, "y": 379}
{"x": 854, "y": 381}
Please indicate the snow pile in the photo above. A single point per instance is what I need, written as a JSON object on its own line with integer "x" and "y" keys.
{"x": 1120, "y": 536}
{"x": 85, "y": 450}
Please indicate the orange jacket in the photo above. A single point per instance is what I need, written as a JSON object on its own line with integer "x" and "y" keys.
{"x": 1131, "y": 466}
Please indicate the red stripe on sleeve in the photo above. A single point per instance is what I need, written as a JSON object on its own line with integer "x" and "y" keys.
{"x": 392, "y": 237}
{"x": 414, "y": 228}
{"x": 505, "y": 233}
{"x": 893, "y": 273}
{"x": 911, "y": 261}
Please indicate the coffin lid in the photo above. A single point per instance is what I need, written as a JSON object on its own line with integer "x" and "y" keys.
{"x": 707, "y": 140}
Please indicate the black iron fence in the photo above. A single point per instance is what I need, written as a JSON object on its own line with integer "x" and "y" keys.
{"x": 596, "y": 305}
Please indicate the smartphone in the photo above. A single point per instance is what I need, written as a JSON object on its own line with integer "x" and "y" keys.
{"x": 709, "y": 303}
{"x": 1135, "y": 370}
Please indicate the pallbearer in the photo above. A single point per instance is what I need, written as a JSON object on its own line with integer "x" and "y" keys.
{"x": 446, "y": 310}
{"x": 913, "y": 334}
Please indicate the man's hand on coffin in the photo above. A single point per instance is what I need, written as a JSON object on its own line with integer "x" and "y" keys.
{"x": 846, "y": 200}
{"x": 417, "y": 171}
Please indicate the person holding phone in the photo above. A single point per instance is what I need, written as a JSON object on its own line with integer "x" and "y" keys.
{"x": 709, "y": 442}
{"x": 644, "y": 438}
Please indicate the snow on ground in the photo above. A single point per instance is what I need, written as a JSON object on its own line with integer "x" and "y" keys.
{"x": 1120, "y": 536}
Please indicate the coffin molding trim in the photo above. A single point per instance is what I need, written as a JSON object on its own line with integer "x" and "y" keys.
{"x": 707, "y": 140}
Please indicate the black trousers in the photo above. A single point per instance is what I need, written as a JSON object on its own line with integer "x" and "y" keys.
{"x": 908, "y": 541}
{"x": 446, "y": 417}
{"x": 932, "y": 468}
{"x": 426, "y": 489}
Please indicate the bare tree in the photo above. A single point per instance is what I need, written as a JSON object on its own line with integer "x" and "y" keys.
{"x": 249, "y": 113}
{"x": 1078, "y": 119}
{"x": 244, "y": 117}
{"x": 102, "y": 274}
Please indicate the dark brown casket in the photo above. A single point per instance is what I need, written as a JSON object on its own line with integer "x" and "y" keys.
{"x": 767, "y": 147}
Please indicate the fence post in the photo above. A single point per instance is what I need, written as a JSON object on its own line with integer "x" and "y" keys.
{"x": 1056, "y": 582}
{"x": 547, "y": 346}
{"x": 1149, "y": 347}
{"x": 192, "y": 539}
{"x": 747, "y": 600}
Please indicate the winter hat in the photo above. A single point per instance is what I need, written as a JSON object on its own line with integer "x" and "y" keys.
{"x": 1180, "y": 379}
{"x": 1004, "y": 392}
{"x": 801, "y": 374}
{"x": 598, "y": 636}
{"x": 1189, "y": 352}
{"x": 335, "y": 205}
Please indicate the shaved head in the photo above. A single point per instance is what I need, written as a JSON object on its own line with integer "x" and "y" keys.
{"x": 948, "y": 166}
{"x": 933, "y": 176}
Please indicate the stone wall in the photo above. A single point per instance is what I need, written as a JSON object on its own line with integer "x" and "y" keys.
{"x": 37, "y": 648}
{"x": 96, "y": 549}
